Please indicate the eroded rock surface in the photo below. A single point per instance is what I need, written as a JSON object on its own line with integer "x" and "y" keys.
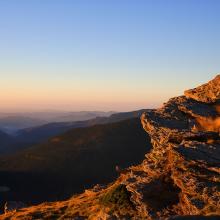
{"x": 209, "y": 92}
{"x": 186, "y": 154}
{"x": 179, "y": 177}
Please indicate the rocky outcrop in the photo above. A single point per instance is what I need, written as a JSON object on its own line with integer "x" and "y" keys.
{"x": 187, "y": 154}
{"x": 185, "y": 159}
{"x": 208, "y": 93}
{"x": 179, "y": 177}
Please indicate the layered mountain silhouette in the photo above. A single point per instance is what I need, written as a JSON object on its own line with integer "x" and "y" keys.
{"x": 12, "y": 122}
{"x": 42, "y": 133}
{"x": 179, "y": 177}
{"x": 72, "y": 162}
{"x": 28, "y": 137}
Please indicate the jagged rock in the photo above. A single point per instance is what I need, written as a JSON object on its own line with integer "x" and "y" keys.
{"x": 209, "y": 92}
{"x": 191, "y": 157}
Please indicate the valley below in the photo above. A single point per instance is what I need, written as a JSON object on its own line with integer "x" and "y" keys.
{"x": 72, "y": 161}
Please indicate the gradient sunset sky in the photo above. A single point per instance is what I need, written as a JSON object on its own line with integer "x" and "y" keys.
{"x": 104, "y": 54}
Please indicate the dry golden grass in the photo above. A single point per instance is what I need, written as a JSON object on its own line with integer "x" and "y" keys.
{"x": 90, "y": 205}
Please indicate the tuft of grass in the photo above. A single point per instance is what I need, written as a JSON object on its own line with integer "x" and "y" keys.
{"x": 118, "y": 196}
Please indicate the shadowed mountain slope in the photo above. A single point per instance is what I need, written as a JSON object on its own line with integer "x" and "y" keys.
{"x": 71, "y": 162}
{"x": 6, "y": 141}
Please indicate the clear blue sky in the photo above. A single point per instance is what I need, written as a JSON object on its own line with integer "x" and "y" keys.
{"x": 105, "y": 54}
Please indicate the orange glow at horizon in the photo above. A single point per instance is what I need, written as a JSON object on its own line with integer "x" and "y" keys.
{"x": 30, "y": 95}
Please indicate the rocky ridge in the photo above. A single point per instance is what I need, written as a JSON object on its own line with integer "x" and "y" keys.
{"x": 179, "y": 177}
{"x": 207, "y": 93}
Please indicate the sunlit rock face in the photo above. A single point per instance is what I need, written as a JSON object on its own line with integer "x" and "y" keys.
{"x": 208, "y": 93}
{"x": 185, "y": 136}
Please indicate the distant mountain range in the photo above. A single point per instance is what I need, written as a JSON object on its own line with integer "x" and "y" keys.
{"x": 27, "y": 137}
{"x": 12, "y": 122}
{"x": 75, "y": 160}
{"x": 42, "y": 133}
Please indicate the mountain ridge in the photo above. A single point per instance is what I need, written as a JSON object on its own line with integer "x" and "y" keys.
{"x": 178, "y": 179}
{"x": 28, "y": 137}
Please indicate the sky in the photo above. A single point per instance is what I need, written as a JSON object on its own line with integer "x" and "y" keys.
{"x": 106, "y": 55}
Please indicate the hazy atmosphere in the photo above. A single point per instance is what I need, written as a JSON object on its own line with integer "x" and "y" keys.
{"x": 104, "y": 55}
